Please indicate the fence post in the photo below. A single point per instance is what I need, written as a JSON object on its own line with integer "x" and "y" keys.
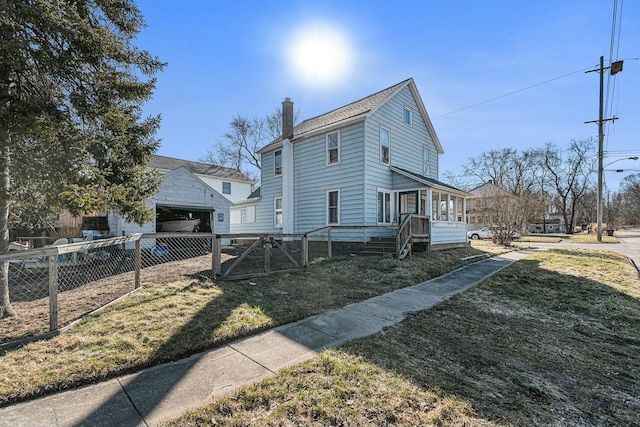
{"x": 329, "y": 251}
{"x": 267, "y": 255}
{"x": 216, "y": 255}
{"x": 53, "y": 291}
{"x": 138, "y": 263}
{"x": 305, "y": 251}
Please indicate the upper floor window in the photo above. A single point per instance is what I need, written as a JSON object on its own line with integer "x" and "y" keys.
{"x": 425, "y": 161}
{"x": 333, "y": 148}
{"x": 277, "y": 162}
{"x": 226, "y": 188}
{"x": 333, "y": 207}
{"x": 408, "y": 116}
{"x": 385, "y": 137}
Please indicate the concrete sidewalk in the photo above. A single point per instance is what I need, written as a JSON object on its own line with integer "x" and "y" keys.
{"x": 158, "y": 394}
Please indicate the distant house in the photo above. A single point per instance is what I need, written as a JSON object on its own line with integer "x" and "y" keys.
{"x": 231, "y": 183}
{"x": 373, "y": 162}
{"x": 480, "y": 208}
{"x": 190, "y": 191}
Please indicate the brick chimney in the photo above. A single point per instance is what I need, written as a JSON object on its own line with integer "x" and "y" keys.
{"x": 287, "y": 119}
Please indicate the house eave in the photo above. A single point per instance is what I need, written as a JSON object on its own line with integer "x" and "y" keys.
{"x": 429, "y": 183}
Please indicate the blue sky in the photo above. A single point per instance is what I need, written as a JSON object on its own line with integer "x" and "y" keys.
{"x": 235, "y": 57}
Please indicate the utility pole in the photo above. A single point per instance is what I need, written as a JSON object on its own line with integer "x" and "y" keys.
{"x": 615, "y": 68}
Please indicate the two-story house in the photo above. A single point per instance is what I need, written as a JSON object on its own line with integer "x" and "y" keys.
{"x": 369, "y": 163}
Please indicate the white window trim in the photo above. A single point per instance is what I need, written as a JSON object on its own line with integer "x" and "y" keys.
{"x": 388, "y": 162}
{"x": 327, "y": 149}
{"x": 223, "y": 185}
{"x": 250, "y": 215}
{"x": 275, "y": 212}
{"x": 410, "y": 111}
{"x": 275, "y": 170}
{"x": 391, "y": 205}
{"x": 327, "y": 204}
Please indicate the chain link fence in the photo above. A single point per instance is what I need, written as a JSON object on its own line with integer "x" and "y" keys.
{"x": 53, "y": 286}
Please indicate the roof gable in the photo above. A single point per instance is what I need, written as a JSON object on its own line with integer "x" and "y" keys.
{"x": 170, "y": 164}
{"x": 357, "y": 111}
{"x": 181, "y": 171}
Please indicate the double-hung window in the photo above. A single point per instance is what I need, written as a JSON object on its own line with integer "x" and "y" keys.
{"x": 384, "y": 207}
{"x": 333, "y": 207}
{"x": 226, "y": 188}
{"x": 385, "y": 139}
{"x": 333, "y": 148}
{"x": 277, "y": 161}
{"x": 277, "y": 212}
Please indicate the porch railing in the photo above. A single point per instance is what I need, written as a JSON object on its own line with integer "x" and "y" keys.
{"x": 414, "y": 228}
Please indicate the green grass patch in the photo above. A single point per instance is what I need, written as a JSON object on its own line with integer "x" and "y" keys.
{"x": 167, "y": 322}
{"x": 551, "y": 340}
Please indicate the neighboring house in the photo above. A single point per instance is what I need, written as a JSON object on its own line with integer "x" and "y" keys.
{"x": 369, "y": 163}
{"x": 192, "y": 190}
{"x": 480, "y": 210}
{"x": 231, "y": 183}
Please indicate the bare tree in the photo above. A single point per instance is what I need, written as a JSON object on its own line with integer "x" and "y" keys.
{"x": 570, "y": 172}
{"x": 507, "y": 168}
{"x": 238, "y": 147}
{"x": 506, "y": 213}
{"x": 630, "y": 200}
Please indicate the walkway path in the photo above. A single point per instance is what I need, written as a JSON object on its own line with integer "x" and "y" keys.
{"x": 166, "y": 391}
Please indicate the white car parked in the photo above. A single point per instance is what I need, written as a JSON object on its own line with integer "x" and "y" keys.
{"x": 483, "y": 233}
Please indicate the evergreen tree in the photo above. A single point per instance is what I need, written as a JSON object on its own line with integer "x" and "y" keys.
{"x": 71, "y": 132}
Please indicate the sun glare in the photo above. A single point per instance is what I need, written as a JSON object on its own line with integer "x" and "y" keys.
{"x": 320, "y": 55}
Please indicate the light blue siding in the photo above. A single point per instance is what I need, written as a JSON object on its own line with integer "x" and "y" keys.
{"x": 446, "y": 233}
{"x": 271, "y": 187}
{"x": 313, "y": 178}
{"x": 406, "y": 149}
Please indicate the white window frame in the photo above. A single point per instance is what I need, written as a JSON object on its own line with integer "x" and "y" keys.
{"x": 277, "y": 211}
{"x": 387, "y": 206}
{"x": 277, "y": 170}
{"x": 388, "y": 159}
{"x": 425, "y": 160}
{"x": 329, "y": 162}
{"x": 333, "y": 190}
{"x": 250, "y": 215}
{"x": 226, "y": 184}
{"x": 408, "y": 112}
{"x": 235, "y": 217}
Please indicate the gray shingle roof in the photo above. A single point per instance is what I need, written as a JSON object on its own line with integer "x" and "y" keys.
{"x": 170, "y": 163}
{"x": 426, "y": 179}
{"x": 353, "y": 111}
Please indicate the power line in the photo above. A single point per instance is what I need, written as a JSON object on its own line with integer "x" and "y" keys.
{"x": 510, "y": 93}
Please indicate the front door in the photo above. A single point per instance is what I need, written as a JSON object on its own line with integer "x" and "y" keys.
{"x": 408, "y": 204}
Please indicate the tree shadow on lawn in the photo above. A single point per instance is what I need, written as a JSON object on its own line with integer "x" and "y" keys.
{"x": 268, "y": 303}
{"x": 527, "y": 347}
